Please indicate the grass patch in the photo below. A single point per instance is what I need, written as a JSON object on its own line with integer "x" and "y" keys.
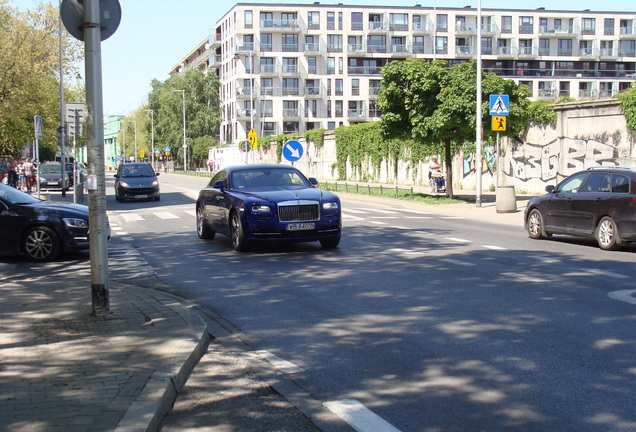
{"x": 406, "y": 194}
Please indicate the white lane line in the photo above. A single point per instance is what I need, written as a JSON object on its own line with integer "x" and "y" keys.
{"x": 623, "y": 295}
{"x": 524, "y": 278}
{"x": 418, "y": 217}
{"x": 384, "y": 217}
{"x": 451, "y": 217}
{"x": 357, "y": 211}
{"x": 543, "y": 259}
{"x": 607, "y": 273}
{"x": 407, "y": 251}
{"x": 377, "y": 222}
{"x": 359, "y": 417}
{"x": 458, "y": 262}
{"x": 191, "y": 212}
{"x": 166, "y": 215}
{"x": 131, "y": 217}
{"x": 349, "y": 217}
{"x": 493, "y": 247}
{"x": 457, "y": 240}
{"x": 280, "y": 364}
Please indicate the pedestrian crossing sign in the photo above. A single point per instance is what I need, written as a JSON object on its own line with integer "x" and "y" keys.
{"x": 499, "y": 105}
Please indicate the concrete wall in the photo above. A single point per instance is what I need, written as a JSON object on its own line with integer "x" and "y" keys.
{"x": 586, "y": 134}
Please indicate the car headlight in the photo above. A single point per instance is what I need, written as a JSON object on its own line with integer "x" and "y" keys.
{"x": 155, "y": 183}
{"x": 330, "y": 205}
{"x": 123, "y": 184}
{"x": 76, "y": 223}
{"x": 260, "y": 208}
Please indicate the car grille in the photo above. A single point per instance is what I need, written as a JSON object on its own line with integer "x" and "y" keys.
{"x": 303, "y": 212}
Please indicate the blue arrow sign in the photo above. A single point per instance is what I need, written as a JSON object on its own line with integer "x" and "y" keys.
{"x": 292, "y": 150}
{"x": 499, "y": 105}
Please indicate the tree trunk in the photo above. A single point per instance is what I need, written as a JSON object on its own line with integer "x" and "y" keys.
{"x": 448, "y": 161}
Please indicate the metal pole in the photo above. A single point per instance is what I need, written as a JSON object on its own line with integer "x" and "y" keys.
{"x": 98, "y": 227}
{"x": 185, "y": 148}
{"x": 252, "y": 95}
{"x": 152, "y": 137}
{"x": 478, "y": 132}
{"x": 135, "y": 154}
{"x": 62, "y": 119}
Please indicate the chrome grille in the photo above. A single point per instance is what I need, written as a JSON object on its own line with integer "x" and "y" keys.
{"x": 295, "y": 213}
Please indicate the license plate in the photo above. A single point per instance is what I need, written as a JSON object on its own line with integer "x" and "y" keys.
{"x": 141, "y": 196}
{"x": 301, "y": 226}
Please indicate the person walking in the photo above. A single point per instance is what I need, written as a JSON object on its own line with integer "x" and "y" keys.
{"x": 27, "y": 169}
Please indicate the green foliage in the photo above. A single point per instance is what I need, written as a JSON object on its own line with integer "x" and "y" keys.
{"x": 29, "y": 75}
{"x": 200, "y": 149}
{"x": 280, "y": 142}
{"x": 317, "y": 136}
{"x": 628, "y": 103}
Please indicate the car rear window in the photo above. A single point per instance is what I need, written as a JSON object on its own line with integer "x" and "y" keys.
{"x": 620, "y": 183}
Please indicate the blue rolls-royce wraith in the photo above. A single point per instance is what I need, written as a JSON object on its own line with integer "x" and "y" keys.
{"x": 260, "y": 203}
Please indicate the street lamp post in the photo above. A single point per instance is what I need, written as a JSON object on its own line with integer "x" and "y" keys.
{"x": 185, "y": 147}
{"x": 135, "y": 154}
{"x": 152, "y": 137}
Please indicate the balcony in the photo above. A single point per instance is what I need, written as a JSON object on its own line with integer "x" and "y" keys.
{"x": 269, "y": 70}
{"x": 215, "y": 60}
{"x": 548, "y": 93}
{"x": 313, "y": 92}
{"x": 246, "y": 48}
{"x": 527, "y": 52}
{"x": 313, "y": 49}
{"x": 376, "y": 49}
{"x": 243, "y": 114}
{"x": 400, "y": 50}
{"x": 626, "y": 52}
{"x": 608, "y": 54}
{"x": 291, "y": 91}
{"x": 464, "y": 51}
{"x": 506, "y": 52}
{"x": 291, "y": 113}
{"x": 422, "y": 28}
{"x": 627, "y": 33}
{"x": 244, "y": 92}
{"x": 466, "y": 29}
{"x": 280, "y": 25}
{"x": 399, "y": 27}
{"x": 558, "y": 31}
{"x": 356, "y": 114}
{"x": 374, "y": 91}
{"x": 587, "y": 94}
{"x": 364, "y": 70}
{"x": 267, "y": 91}
{"x": 588, "y": 53}
{"x": 291, "y": 70}
{"x": 356, "y": 49}
{"x": 378, "y": 27}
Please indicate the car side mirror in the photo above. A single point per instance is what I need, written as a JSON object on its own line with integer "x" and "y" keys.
{"x": 219, "y": 184}
{"x": 157, "y": 173}
{"x": 313, "y": 181}
{"x": 116, "y": 176}
{"x": 550, "y": 188}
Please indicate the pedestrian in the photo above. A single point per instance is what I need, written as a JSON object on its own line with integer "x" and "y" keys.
{"x": 20, "y": 176}
{"x": 27, "y": 168}
{"x": 12, "y": 173}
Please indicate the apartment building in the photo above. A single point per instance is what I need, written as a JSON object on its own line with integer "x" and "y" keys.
{"x": 288, "y": 68}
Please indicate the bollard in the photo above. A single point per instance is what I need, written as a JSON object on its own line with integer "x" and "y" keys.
{"x": 506, "y": 199}
{"x": 79, "y": 193}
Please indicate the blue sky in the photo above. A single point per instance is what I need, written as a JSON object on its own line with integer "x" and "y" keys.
{"x": 154, "y": 35}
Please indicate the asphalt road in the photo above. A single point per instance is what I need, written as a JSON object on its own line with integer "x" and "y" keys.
{"x": 430, "y": 322}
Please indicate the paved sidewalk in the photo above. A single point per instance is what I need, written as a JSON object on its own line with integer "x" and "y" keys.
{"x": 62, "y": 369}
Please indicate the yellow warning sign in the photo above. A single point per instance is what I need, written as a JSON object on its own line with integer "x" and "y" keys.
{"x": 252, "y": 137}
{"x": 499, "y": 123}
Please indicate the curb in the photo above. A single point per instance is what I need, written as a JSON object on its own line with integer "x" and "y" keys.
{"x": 160, "y": 392}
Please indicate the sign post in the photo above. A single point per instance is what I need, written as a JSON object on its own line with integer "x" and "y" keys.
{"x": 37, "y": 121}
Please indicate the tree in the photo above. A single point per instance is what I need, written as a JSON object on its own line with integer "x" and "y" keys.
{"x": 436, "y": 106}
{"x": 203, "y": 115}
{"x": 29, "y": 74}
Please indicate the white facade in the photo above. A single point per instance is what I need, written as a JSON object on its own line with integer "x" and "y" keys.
{"x": 292, "y": 68}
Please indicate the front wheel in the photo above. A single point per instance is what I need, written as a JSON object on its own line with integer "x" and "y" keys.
{"x": 534, "y": 224}
{"x": 330, "y": 243}
{"x": 203, "y": 229}
{"x": 41, "y": 244}
{"x": 607, "y": 234}
{"x": 238, "y": 237}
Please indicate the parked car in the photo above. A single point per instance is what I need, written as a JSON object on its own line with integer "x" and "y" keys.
{"x": 264, "y": 203}
{"x": 53, "y": 177}
{"x": 39, "y": 229}
{"x": 598, "y": 203}
{"x": 136, "y": 180}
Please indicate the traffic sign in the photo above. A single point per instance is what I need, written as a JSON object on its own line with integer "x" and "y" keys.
{"x": 498, "y": 123}
{"x": 37, "y": 120}
{"x": 245, "y": 146}
{"x": 499, "y": 105}
{"x": 72, "y": 14}
{"x": 293, "y": 150}
{"x": 252, "y": 137}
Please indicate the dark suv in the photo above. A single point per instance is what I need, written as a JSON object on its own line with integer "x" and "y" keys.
{"x": 136, "y": 180}
{"x": 599, "y": 202}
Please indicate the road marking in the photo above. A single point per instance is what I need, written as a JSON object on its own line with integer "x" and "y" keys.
{"x": 377, "y": 222}
{"x": 623, "y": 295}
{"x": 493, "y": 247}
{"x": 348, "y": 216}
{"x": 384, "y": 217}
{"x": 386, "y": 211}
{"x": 418, "y": 217}
{"x": 131, "y": 217}
{"x": 407, "y": 251}
{"x": 166, "y": 215}
{"x": 451, "y": 217}
{"x": 361, "y": 418}
{"x": 457, "y": 240}
{"x": 280, "y": 364}
{"x": 607, "y": 273}
{"x": 458, "y": 262}
{"x": 357, "y": 211}
{"x": 546, "y": 260}
{"x": 524, "y": 278}
{"x": 191, "y": 212}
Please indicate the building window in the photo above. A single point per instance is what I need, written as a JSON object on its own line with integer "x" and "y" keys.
{"x": 399, "y": 22}
{"x": 329, "y": 108}
{"x": 331, "y": 125}
{"x": 290, "y": 42}
{"x": 268, "y": 65}
{"x": 290, "y": 87}
{"x": 267, "y": 109}
{"x": 290, "y": 108}
{"x": 340, "y": 21}
{"x": 267, "y": 87}
{"x": 356, "y": 21}
{"x": 266, "y": 42}
{"x": 442, "y": 23}
{"x": 544, "y": 47}
{"x": 249, "y": 19}
{"x": 441, "y": 45}
{"x": 506, "y": 24}
{"x": 486, "y": 46}
{"x": 288, "y": 19}
{"x": 331, "y": 65}
{"x": 589, "y": 26}
{"x": 376, "y": 43}
{"x": 418, "y": 45}
{"x": 565, "y": 47}
{"x": 608, "y": 27}
{"x": 334, "y": 43}
{"x": 311, "y": 43}
{"x": 311, "y": 65}
{"x": 526, "y": 25}
{"x": 331, "y": 21}
{"x": 339, "y": 87}
{"x": 329, "y": 87}
{"x": 339, "y": 109}
{"x": 355, "y": 87}
{"x": 313, "y": 20}
{"x": 267, "y": 19}
{"x": 290, "y": 127}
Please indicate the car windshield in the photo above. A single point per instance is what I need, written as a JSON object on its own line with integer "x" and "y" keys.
{"x": 15, "y": 196}
{"x": 137, "y": 171}
{"x": 51, "y": 169}
{"x": 268, "y": 178}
